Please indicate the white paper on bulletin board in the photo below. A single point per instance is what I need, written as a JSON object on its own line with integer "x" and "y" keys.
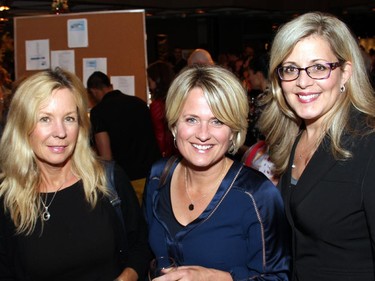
{"x": 91, "y": 65}
{"x": 63, "y": 59}
{"x": 37, "y": 54}
{"x": 77, "y": 33}
{"x": 124, "y": 83}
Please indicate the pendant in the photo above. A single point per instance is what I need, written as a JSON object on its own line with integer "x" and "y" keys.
{"x": 46, "y": 215}
{"x": 191, "y": 207}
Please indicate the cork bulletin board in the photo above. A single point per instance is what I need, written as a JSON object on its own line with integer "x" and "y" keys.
{"x": 118, "y": 36}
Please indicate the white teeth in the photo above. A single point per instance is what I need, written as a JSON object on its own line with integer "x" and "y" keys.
{"x": 202, "y": 147}
{"x": 308, "y": 97}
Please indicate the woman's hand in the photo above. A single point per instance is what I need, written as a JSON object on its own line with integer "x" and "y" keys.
{"x": 195, "y": 273}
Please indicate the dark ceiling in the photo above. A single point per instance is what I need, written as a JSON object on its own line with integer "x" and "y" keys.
{"x": 241, "y": 20}
{"x": 164, "y": 14}
{"x": 360, "y": 14}
{"x": 168, "y": 8}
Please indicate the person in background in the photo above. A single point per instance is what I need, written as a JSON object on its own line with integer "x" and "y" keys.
{"x": 372, "y": 71}
{"x": 257, "y": 155}
{"x": 5, "y": 96}
{"x": 320, "y": 124}
{"x": 200, "y": 56}
{"x": 56, "y": 218}
{"x": 238, "y": 69}
{"x": 218, "y": 219}
{"x": 258, "y": 76}
{"x": 223, "y": 60}
{"x": 122, "y": 128}
{"x": 247, "y": 54}
{"x": 160, "y": 76}
{"x": 178, "y": 61}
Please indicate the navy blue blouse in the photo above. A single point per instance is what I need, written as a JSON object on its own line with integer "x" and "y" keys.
{"x": 242, "y": 231}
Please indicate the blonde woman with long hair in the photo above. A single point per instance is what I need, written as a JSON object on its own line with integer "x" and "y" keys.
{"x": 319, "y": 123}
{"x": 56, "y": 219}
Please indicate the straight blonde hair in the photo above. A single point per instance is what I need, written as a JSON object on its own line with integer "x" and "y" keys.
{"x": 20, "y": 174}
{"x": 279, "y": 123}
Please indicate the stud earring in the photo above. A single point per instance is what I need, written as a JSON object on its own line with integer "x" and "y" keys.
{"x": 342, "y": 89}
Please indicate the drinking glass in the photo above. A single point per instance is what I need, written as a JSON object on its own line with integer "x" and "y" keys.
{"x": 160, "y": 266}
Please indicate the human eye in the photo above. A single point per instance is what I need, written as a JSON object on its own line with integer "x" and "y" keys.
{"x": 289, "y": 69}
{"x": 191, "y": 120}
{"x": 70, "y": 119}
{"x": 216, "y": 122}
{"x": 318, "y": 68}
{"x": 44, "y": 119}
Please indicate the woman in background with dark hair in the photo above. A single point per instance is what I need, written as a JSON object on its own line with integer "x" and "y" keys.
{"x": 160, "y": 76}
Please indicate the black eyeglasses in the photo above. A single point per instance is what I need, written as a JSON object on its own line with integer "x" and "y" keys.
{"x": 318, "y": 71}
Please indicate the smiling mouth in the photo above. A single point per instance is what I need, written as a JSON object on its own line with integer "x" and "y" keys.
{"x": 202, "y": 147}
{"x": 57, "y": 148}
{"x": 308, "y": 97}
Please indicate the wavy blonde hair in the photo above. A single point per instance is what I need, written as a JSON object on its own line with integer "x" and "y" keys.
{"x": 279, "y": 122}
{"x": 224, "y": 93}
{"x": 20, "y": 174}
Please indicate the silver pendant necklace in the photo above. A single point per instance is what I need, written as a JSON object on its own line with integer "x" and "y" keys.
{"x": 191, "y": 205}
{"x": 46, "y": 215}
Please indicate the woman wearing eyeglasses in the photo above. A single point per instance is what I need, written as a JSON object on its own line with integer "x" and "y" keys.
{"x": 319, "y": 123}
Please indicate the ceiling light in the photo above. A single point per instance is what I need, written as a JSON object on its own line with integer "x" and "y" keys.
{"x": 4, "y": 5}
{"x": 4, "y": 8}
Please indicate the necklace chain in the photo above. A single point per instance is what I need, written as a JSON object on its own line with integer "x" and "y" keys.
{"x": 46, "y": 215}
{"x": 311, "y": 151}
{"x": 191, "y": 205}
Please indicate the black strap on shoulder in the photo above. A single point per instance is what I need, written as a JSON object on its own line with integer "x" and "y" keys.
{"x": 167, "y": 167}
{"x": 115, "y": 199}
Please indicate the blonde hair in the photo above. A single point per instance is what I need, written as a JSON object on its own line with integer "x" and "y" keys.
{"x": 20, "y": 173}
{"x": 279, "y": 122}
{"x": 223, "y": 92}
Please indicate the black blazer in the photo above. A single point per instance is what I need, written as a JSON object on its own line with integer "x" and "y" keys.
{"x": 331, "y": 211}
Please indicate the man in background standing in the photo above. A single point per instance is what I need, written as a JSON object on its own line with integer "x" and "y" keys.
{"x": 122, "y": 128}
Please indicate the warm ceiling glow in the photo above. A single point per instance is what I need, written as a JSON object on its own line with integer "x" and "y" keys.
{"x": 4, "y": 8}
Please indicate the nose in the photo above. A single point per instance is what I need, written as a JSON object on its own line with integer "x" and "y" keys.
{"x": 59, "y": 130}
{"x": 203, "y": 132}
{"x": 304, "y": 80}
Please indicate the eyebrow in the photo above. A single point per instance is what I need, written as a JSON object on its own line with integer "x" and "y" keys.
{"x": 312, "y": 62}
{"x": 51, "y": 113}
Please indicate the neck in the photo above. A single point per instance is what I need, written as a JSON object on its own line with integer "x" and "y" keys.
{"x": 196, "y": 197}
{"x": 52, "y": 182}
{"x": 196, "y": 178}
{"x": 263, "y": 85}
{"x": 312, "y": 134}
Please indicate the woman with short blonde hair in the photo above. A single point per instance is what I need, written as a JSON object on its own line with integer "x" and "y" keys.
{"x": 216, "y": 218}
{"x": 224, "y": 99}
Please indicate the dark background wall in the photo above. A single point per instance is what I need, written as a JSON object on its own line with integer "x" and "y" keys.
{"x": 229, "y": 33}
{"x": 217, "y": 35}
